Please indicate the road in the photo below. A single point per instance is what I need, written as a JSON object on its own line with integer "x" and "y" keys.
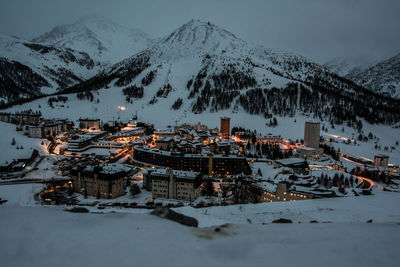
{"x": 368, "y": 183}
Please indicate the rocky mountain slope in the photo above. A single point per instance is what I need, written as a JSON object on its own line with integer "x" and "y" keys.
{"x": 345, "y": 66}
{"x": 103, "y": 39}
{"x": 63, "y": 57}
{"x": 383, "y": 77}
{"x": 29, "y": 69}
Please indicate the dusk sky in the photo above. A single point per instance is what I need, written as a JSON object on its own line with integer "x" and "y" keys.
{"x": 319, "y": 29}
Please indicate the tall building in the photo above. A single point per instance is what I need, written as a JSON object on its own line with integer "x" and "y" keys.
{"x": 311, "y": 134}
{"x": 225, "y": 127}
{"x": 381, "y": 161}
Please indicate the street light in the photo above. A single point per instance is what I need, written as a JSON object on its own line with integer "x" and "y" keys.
{"x": 119, "y": 110}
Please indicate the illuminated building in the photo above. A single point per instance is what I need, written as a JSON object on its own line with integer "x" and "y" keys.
{"x": 205, "y": 164}
{"x": 92, "y": 124}
{"x": 106, "y": 181}
{"x": 173, "y": 184}
{"x": 263, "y": 193}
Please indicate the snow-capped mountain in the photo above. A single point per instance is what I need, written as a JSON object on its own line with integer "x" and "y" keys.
{"x": 35, "y": 69}
{"x": 212, "y": 70}
{"x": 202, "y": 49}
{"x": 383, "y": 77}
{"x": 103, "y": 39}
{"x": 345, "y": 66}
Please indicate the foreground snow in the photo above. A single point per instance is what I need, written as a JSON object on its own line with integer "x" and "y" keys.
{"x": 34, "y": 235}
{"x": 51, "y": 237}
{"x": 337, "y": 210}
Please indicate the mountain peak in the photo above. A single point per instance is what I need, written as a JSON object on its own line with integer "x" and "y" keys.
{"x": 199, "y": 38}
{"x": 201, "y": 30}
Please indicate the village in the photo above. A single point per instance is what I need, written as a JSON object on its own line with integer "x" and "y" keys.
{"x": 131, "y": 164}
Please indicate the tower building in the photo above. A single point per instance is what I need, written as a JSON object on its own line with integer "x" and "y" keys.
{"x": 311, "y": 134}
{"x": 225, "y": 127}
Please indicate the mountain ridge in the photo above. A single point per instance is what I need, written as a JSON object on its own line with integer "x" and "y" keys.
{"x": 383, "y": 77}
{"x": 207, "y": 69}
{"x": 103, "y": 39}
{"x": 59, "y": 67}
{"x": 213, "y": 70}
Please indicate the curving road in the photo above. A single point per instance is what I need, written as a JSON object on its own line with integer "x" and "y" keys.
{"x": 368, "y": 183}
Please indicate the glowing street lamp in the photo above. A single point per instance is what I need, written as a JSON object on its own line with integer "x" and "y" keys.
{"x": 119, "y": 110}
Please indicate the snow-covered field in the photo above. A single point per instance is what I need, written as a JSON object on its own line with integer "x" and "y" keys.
{"x": 32, "y": 235}
{"x": 333, "y": 210}
{"x": 10, "y": 152}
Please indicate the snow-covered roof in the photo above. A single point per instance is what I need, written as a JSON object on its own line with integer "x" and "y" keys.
{"x": 266, "y": 186}
{"x": 165, "y": 139}
{"x": 177, "y": 173}
{"x": 290, "y": 161}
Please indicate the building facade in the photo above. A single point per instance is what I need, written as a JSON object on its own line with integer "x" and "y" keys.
{"x": 92, "y": 124}
{"x": 205, "y": 164}
{"x": 225, "y": 127}
{"x": 381, "y": 161}
{"x": 50, "y": 128}
{"x": 282, "y": 193}
{"x": 164, "y": 143}
{"x": 173, "y": 184}
{"x": 106, "y": 181}
{"x": 311, "y": 134}
{"x": 270, "y": 140}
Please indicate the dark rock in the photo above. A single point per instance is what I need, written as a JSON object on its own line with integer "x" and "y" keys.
{"x": 366, "y": 192}
{"x": 167, "y": 213}
{"x": 370, "y": 221}
{"x": 78, "y": 209}
{"x": 313, "y": 221}
{"x": 217, "y": 229}
{"x": 282, "y": 220}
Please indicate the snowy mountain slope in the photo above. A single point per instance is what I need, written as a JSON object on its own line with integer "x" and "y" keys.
{"x": 103, "y": 39}
{"x": 50, "y": 68}
{"x": 220, "y": 58}
{"x": 345, "y": 66}
{"x": 211, "y": 69}
{"x": 384, "y": 77}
